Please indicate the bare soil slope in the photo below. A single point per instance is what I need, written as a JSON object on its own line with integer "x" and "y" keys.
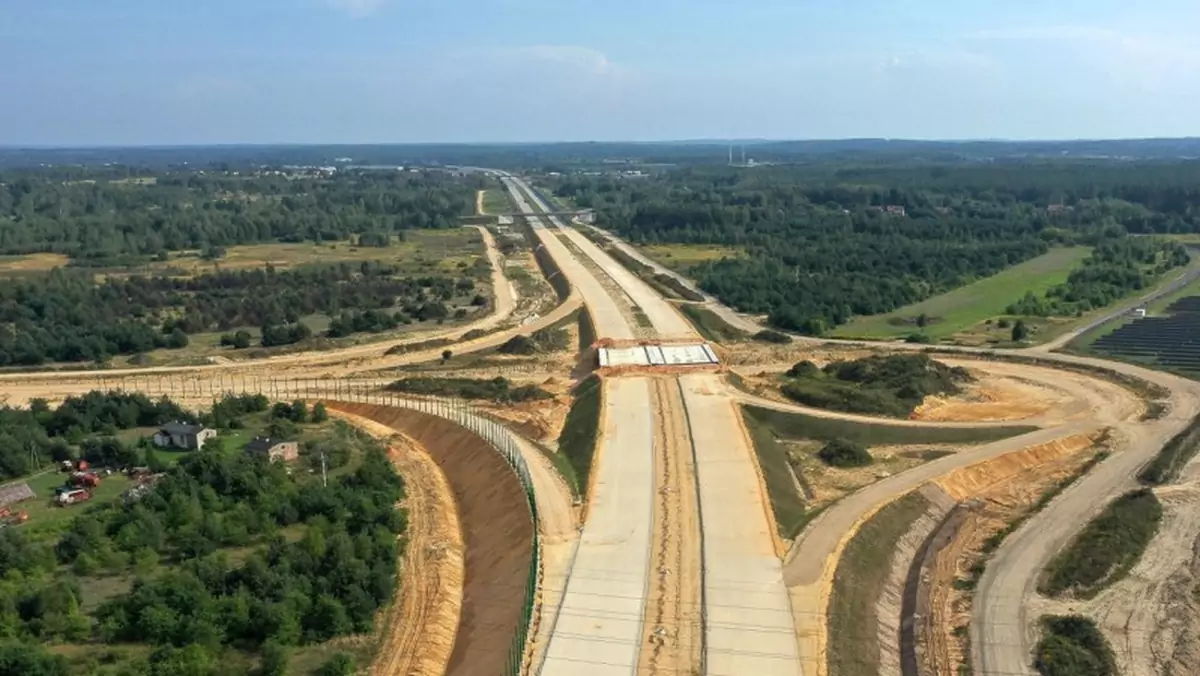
{"x": 497, "y": 533}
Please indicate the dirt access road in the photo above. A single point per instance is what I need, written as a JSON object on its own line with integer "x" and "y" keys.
{"x": 1003, "y": 626}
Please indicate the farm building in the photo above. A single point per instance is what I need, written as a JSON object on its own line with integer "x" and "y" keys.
{"x": 183, "y": 435}
{"x": 275, "y": 449}
{"x": 14, "y": 493}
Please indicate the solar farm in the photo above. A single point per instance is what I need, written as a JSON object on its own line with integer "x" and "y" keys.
{"x": 1171, "y": 341}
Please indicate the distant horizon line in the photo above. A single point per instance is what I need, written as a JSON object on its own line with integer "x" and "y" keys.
{"x": 695, "y": 141}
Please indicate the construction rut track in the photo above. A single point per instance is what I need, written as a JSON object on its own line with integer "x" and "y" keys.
{"x": 673, "y": 631}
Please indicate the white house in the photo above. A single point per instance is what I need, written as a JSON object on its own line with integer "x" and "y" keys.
{"x": 182, "y": 435}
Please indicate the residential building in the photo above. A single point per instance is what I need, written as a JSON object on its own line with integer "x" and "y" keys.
{"x": 176, "y": 434}
{"x": 275, "y": 449}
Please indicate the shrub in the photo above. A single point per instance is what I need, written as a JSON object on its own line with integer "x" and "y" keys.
{"x": 891, "y": 385}
{"x": 769, "y": 336}
{"x": 1073, "y": 646}
{"x": 523, "y": 345}
{"x": 843, "y": 453}
{"x": 1107, "y": 548}
{"x": 497, "y": 389}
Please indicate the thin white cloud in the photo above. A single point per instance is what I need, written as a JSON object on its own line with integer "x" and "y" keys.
{"x": 356, "y": 8}
{"x": 1130, "y": 59}
{"x": 574, "y": 56}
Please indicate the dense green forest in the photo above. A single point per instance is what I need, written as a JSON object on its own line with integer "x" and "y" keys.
{"x": 65, "y": 316}
{"x": 235, "y": 560}
{"x": 103, "y": 215}
{"x": 828, "y": 241}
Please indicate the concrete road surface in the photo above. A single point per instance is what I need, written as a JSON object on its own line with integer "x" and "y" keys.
{"x": 599, "y": 626}
{"x": 667, "y": 321}
{"x": 748, "y": 619}
{"x": 731, "y": 316}
{"x": 606, "y": 314}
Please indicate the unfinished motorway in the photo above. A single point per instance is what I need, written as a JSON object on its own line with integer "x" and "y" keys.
{"x": 678, "y": 566}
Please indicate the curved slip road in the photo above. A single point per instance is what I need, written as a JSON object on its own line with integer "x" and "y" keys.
{"x": 1003, "y": 625}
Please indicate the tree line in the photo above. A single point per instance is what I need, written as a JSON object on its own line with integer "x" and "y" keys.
{"x": 826, "y": 243}
{"x": 65, "y": 316}
{"x": 190, "y": 600}
{"x": 93, "y": 214}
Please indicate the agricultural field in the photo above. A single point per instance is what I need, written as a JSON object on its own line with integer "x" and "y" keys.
{"x": 968, "y": 307}
{"x": 15, "y": 266}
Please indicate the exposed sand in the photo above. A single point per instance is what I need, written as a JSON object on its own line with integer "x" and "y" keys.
{"x": 417, "y": 635}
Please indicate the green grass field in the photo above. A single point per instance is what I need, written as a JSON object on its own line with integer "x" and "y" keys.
{"x": 969, "y": 305}
{"x": 711, "y": 326}
{"x": 681, "y": 257}
{"x": 496, "y": 202}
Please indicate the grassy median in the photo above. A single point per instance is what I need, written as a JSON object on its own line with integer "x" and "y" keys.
{"x": 710, "y": 325}
{"x": 578, "y": 439}
{"x": 861, "y": 574}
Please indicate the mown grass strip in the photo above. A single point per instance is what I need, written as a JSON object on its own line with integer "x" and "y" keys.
{"x": 973, "y": 303}
{"x": 1174, "y": 456}
{"x": 787, "y": 504}
{"x": 793, "y": 425}
{"x": 1107, "y": 548}
{"x": 861, "y": 574}
{"x": 578, "y": 439}
{"x": 710, "y": 325}
{"x": 1072, "y": 645}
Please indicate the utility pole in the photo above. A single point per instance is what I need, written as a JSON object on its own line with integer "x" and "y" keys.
{"x": 324, "y": 474}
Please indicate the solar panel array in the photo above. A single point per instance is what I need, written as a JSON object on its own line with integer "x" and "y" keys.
{"x": 1172, "y": 341}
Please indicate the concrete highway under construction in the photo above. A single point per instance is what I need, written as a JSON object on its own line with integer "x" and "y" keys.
{"x": 677, "y": 566}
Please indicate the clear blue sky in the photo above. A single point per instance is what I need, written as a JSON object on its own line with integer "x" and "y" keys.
{"x": 325, "y": 71}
